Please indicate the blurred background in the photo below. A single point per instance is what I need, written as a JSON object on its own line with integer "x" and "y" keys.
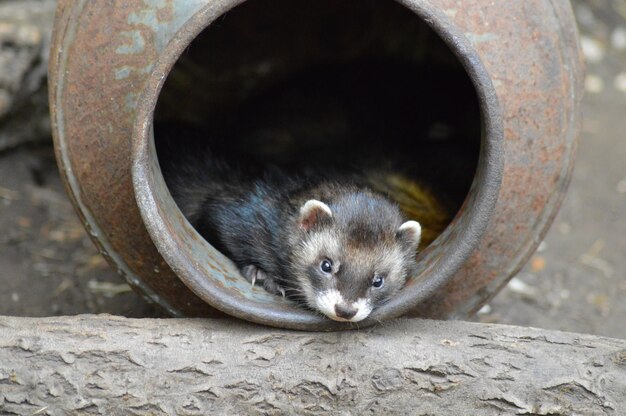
{"x": 48, "y": 266}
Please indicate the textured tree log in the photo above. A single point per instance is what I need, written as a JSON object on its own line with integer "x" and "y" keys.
{"x": 108, "y": 365}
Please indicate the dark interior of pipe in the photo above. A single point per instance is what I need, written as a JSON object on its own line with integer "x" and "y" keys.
{"x": 339, "y": 83}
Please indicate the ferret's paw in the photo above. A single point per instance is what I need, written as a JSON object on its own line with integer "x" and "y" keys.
{"x": 253, "y": 274}
{"x": 272, "y": 287}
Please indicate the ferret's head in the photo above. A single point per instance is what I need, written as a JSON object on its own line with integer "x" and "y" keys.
{"x": 353, "y": 254}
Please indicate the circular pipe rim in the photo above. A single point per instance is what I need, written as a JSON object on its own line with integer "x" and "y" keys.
{"x": 461, "y": 237}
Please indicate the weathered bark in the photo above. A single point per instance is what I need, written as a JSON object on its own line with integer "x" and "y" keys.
{"x": 25, "y": 31}
{"x": 110, "y": 365}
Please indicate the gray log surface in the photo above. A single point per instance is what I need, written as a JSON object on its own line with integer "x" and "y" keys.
{"x": 105, "y": 365}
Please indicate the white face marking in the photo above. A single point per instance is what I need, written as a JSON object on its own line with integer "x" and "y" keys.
{"x": 392, "y": 260}
{"x": 326, "y": 302}
{"x": 321, "y": 242}
{"x": 363, "y": 308}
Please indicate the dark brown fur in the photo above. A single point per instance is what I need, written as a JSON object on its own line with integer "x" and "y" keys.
{"x": 256, "y": 219}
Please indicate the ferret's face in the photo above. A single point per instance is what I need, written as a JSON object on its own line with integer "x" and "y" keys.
{"x": 347, "y": 267}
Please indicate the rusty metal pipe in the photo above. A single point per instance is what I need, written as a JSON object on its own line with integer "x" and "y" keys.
{"x": 106, "y": 75}
{"x": 216, "y": 280}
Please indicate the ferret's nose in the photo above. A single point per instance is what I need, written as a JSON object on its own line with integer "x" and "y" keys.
{"x": 345, "y": 312}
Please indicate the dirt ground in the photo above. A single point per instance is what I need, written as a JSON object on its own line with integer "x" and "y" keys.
{"x": 48, "y": 265}
{"x": 575, "y": 282}
{"x": 577, "y": 279}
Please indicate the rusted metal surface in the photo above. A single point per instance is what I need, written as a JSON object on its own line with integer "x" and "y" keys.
{"x": 103, "y": 60}
{"x": 216, "y": 280}
{"x": 532, "y": 54}
{"x": 102, "y": 54}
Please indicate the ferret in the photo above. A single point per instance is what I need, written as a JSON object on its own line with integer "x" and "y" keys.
{"x": 330, "y": 244}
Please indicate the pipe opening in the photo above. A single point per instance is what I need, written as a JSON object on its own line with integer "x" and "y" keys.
{"x": 336, "y": 84}
{"x": 332, "y": 84}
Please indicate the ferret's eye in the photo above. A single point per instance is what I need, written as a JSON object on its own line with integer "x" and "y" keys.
{"x": 378, "y": 282}
{"x": 326, "y": 266}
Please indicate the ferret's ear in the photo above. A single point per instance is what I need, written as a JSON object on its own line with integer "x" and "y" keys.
{"x": 410, "y": 232}
{"x": 313, "y": 212}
